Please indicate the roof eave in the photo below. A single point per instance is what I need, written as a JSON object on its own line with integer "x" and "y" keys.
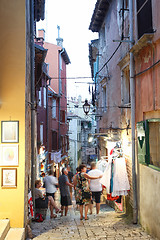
{"x": 98, "y": 16}
{"x": 65, "y": 56}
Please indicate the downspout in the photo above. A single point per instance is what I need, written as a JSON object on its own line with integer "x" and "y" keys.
{"x": 132, "y": 92}
{"x": 33, "y": 155}
{"x": 59, "y": 107}
{"x": 47, "y": 125}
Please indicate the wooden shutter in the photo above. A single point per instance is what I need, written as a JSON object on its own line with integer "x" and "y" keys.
{"x": 143, "y": 142}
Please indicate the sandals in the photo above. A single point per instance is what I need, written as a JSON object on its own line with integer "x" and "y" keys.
{"x": 58, "y": 211}
{"x": 86, "y": 218}
{"x": 81, "y": 218}
{"x": 53, "y": 216}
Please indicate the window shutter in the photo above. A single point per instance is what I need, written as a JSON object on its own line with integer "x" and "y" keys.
{"x": 143, "y": 142}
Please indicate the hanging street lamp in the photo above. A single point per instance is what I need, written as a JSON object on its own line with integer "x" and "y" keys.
{"x": 86, "y": 107}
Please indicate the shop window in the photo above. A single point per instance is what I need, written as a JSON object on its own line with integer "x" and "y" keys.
{"x": 144, "y": 17}
{"x": 148, "y": 133}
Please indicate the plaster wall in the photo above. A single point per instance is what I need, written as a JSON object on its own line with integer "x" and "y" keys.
{"x": 149, "y": 199}
{"x": 147, "y": 84}
{"x": 73, "y": 142}
{"x": 52, "y": 59}
{"x": 110, "y": 76}
{"x": 12, "y": 86}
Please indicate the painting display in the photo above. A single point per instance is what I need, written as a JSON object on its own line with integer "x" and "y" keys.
{"x": 9, "y": 155}
{"x": 9, "y": 131}
{"x": 9, "y": 177}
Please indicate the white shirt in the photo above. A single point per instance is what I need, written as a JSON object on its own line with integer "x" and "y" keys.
{"x": 95, "y": 185}
{"x": 50, "y": 182}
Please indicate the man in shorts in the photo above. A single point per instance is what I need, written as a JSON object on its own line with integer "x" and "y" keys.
{"x": 95, "y": 185}
{"x": 65, "y": 192}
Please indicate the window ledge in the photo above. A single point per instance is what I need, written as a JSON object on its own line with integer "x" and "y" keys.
{"x": 150, "y": 166}
{"x": 154, "y": 167}
{"x": 142, "y": 42}
{"x": 125, "y": 105}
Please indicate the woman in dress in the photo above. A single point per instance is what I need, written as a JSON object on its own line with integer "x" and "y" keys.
{"x": 83, "y": 193}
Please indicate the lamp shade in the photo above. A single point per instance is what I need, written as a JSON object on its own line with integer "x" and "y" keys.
{"x": 86, "y": 107}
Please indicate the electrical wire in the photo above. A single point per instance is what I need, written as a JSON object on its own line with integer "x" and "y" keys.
{"x": 109, "y": 59}
{"x": 147, "y": 68}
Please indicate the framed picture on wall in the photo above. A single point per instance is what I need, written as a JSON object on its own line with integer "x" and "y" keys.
{"x": 10, "y": 131}
{"x": 9, "y": 155}
{"x": 9, "y": 177}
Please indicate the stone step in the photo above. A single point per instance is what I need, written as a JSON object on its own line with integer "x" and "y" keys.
{"x": 4, "y": 228}
{"x": 15, "y": 234}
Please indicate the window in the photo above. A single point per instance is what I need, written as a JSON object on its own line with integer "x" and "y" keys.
{"x": 144, "y": 17}
{"x": 104, "y": 99}
{"x": 54, "y": 108}
{"x": 41, "y": 133}
{"x": 54, "y": 140}
{"x": 44, "y": 97}
{"x": 154, "y": 143}
{"x": 148, "y": 133}
{"x": 126, "y": 98}
{"x": 39, "y": 99}
{"x": 78, "y": 136}
{"x": 62, "y": 116}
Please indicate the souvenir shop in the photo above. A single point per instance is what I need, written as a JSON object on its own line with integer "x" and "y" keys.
{"x": 115, "y": 178}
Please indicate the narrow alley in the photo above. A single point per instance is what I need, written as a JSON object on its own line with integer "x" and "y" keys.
{"x": 107, "y": 225}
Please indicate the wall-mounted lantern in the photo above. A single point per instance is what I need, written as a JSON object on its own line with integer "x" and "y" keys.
{"x": 86, "y": 107}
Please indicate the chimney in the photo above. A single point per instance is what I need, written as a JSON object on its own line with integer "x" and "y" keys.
{"x": 41, "y": 34}
{"x": 59, "y": 40}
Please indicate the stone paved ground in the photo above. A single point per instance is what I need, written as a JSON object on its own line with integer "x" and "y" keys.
{"x": 107, "y": 225}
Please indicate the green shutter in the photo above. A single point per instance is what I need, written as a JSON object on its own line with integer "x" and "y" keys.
{"x": 141, "y": 140}
{"x": 147, "y": 157}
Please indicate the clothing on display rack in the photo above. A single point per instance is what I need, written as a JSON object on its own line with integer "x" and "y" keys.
{"x": 102, "y": 163}
{"x": 105, "y": 180}
{"x": 115, "y": 177}
{"x": 120, "y": 178}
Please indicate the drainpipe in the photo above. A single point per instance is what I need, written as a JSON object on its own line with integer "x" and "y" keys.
{"x": 132, "y": 92}
{"x": 47, "y": 123}
{"x": 33, "y": 114}
{"x": 59, "y": 107}
{"x": 47, "y": 127}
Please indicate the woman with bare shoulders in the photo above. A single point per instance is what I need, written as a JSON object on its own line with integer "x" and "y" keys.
{"x": 83, "y": 193}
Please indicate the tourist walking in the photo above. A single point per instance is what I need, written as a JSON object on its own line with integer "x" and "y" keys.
{"x": 95, "y": 185}
{"x": 51, "y": 184}
{"x": 83, "y": 193}
{"x": 70, "y": 178}
{"x": 65, "y": 191}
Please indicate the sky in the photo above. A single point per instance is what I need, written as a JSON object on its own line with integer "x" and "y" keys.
{"x": 73, "y": 17}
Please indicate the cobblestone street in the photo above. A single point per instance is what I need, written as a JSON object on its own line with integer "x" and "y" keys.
{"x": 107, "y": 225}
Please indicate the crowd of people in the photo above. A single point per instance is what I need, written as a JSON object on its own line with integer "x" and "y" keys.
{"x": 86, "y": 189}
